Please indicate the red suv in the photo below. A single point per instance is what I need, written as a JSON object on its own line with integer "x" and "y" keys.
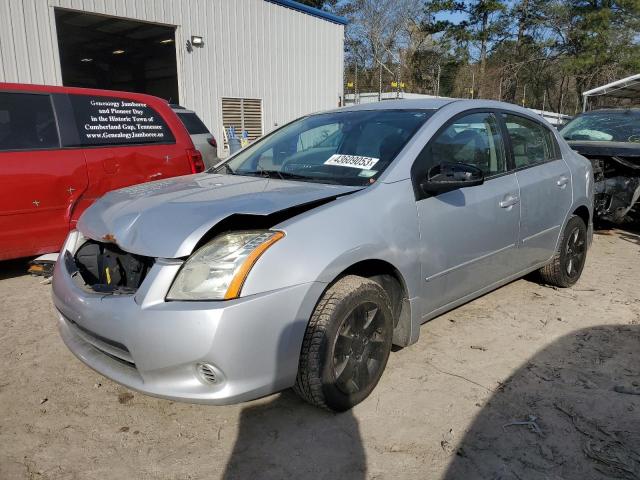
{"x": 62, "y": 148}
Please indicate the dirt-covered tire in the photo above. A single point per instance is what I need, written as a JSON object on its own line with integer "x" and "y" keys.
{"x": 565, "y": 268}
{"x": 346, "y": 344}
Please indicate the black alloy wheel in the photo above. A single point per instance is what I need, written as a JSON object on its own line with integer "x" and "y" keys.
{"x": 567, "y": 264}
{"x": 359, "y": 349}
{"x": 346, "y": 344}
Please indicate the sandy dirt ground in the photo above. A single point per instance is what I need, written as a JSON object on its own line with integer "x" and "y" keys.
{"x": 527, "y": 382}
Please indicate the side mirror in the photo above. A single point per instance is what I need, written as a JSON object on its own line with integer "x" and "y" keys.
{"x": 451, "y": 176}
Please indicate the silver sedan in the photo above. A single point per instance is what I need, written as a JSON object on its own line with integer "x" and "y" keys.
{"x": 299, "y": 261}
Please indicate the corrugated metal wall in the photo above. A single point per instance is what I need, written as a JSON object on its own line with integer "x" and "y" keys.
{"x": 253, "y": 49}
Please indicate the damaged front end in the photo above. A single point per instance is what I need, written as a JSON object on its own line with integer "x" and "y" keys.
{"x": 616, "y": 171}
{"x": 105, "y": 268}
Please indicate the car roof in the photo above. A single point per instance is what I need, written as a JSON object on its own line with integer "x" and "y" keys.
{"x": 29, "y": 87}
{"x": 401, "y": 104}
{"x": 437, "y": 104}
{"x": 180, "y": 109}
{"x": 613, "y": 110}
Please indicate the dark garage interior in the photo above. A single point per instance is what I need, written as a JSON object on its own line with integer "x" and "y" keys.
{"x": 97, "y": 51}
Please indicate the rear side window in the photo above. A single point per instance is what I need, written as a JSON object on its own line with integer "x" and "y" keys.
{"x": 532, "y": 142}
{"x": 27, "y": 122}
{"x": 117, "y": 121}
{"x": 193, "y": 124}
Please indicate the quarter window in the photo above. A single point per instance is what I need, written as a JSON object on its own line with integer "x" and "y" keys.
{"x": 27, "y": 122}
{"x": 532, "y": 143}
{"x": 473, "y": 139}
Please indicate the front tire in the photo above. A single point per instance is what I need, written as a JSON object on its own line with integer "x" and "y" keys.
{"x": 346, "y": 345}
{"x": 565, "y": 268}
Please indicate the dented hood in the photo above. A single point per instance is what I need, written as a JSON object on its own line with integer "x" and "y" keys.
{"x": 167, "y": 218}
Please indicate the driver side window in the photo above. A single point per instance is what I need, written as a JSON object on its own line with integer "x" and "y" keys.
{"x": 473, "y": 139}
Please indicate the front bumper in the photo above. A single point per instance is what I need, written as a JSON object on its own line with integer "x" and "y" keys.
{"x": 154, "y": 346}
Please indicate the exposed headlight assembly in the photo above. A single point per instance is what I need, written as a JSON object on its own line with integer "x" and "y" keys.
{"x": 217, "y": 271}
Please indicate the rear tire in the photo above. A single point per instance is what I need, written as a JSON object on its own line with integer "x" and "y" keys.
{"x": 565, "y": 268}
{"x": 346, "y": 345}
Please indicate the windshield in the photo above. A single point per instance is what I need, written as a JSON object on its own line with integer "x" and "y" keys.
{"x": 347, "y": 148}
{"x": 605, "y": 126}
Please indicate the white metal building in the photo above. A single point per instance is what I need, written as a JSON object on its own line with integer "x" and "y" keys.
{"x": 266, "y": 61}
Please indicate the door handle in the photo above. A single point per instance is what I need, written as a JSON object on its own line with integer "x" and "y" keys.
{"x": 562, "y": 181}
{"x": 509, "y": 201}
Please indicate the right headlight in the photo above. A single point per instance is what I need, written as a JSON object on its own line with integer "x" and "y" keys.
{"x": 217, "y": 271}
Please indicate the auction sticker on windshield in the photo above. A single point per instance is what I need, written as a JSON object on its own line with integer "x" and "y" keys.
{"x": 352, "y": 161}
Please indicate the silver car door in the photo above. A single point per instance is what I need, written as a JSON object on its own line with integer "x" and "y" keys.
{"x": 469, "y": 235}
{"x": 545, "y": 187}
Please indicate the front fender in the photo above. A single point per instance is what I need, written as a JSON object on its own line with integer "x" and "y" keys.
{"x": 377, "y": 223}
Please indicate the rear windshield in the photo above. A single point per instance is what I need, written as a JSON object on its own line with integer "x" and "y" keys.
{"x": 193, "y": 124}
{"x": 348, "y": 148}
{"x": 605, "y": 126}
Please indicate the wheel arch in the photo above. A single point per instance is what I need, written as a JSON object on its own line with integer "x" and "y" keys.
{"x": 391, "y": 279}
{"x": 583, "y": 212}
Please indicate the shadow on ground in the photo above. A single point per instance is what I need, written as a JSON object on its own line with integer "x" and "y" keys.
{"x": 632, "y": 236}
{"x": 629, "y": 232}
{"x": 572, "y": 412}
{"x": 13, "y": 268}
{"x": 287, "y": 438}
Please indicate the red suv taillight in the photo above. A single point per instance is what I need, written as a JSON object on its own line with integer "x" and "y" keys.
{"x": 195, "y": 160}
{"x": 212, "y": 142}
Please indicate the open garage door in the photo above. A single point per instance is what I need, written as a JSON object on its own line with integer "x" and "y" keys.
{"x": 97, "y": 51}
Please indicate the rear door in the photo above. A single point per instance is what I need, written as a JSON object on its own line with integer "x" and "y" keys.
{"x": 39, "y": 182}
{"x": 545, "y": 187}
{"x": 125, "y": 142}
{"x": 468, "y": 236}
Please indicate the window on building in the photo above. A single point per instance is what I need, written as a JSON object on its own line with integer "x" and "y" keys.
{"x": 242, "y": 114}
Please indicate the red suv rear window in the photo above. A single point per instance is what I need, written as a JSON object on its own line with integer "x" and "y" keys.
{"x": 117, "y": 121}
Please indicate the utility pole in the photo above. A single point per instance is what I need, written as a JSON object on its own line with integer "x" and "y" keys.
{"x": 473, "y": 83}
{"x": 397, "y": 74}
{"x": 524, "y": 95}
{"x": 380, "y": 83}
{"x": 438, "y": 82}
{"x": 544, "y": 100}
{"x": 355, "y": 86}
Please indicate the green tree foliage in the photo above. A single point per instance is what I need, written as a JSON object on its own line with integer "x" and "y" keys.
{"x": 540, "y": 53}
